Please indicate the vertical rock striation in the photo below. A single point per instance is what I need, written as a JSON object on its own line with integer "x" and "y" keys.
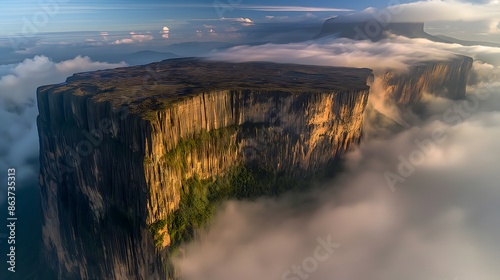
{"x": 117, "y": 145}
{"x": 440, "y": 78}
{"x": 446, "y": 78}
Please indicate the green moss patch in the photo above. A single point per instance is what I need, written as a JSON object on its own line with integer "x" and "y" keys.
{"x": 155, "y": 229}
{"x": 200, "y": 198}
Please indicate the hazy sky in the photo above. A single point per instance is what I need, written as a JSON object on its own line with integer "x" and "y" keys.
{"x": 125, "y": 15}
{"x": 74, "y": 15}
{"x": 151, "y": 22}
{"x": 444, "y": 218}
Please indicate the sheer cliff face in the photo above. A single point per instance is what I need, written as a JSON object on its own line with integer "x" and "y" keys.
{"x": 440, "y": 78}
{"x": 292, "y": 132}
{"x": 445, "y": 78}
{"x": 117, "y": 145}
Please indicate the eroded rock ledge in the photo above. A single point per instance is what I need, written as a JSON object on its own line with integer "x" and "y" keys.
{"x": 119, "y": 150}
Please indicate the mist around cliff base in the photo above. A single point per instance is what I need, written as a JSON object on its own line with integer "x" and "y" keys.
{"x": 19, "y": 149}
{"x": 440, "y": 223}
{"x": 436, "y": 216}
{"x": 18, "y": 84}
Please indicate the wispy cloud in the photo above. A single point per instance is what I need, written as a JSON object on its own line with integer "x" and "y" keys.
{"x": 243, "y": 21}
{"x": 18, "y": 83}
{"x": 290, "y": 8}
{"x": 428, "y": 230}
{"x": 165, "y": 32}
{"x": 134, "y": 38}
{"x": 79, "y": 8}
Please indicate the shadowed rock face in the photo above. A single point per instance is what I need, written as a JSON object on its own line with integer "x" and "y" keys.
{"x": 117, "y": 145}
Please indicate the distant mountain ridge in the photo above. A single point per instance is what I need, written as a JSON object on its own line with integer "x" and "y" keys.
{"x": 196, "y": 49}
{"x": 147, "y": 56}
{"x": 374, "y": 31}
{"x": 343, "y": 27}
{"x": 452, "y": 40}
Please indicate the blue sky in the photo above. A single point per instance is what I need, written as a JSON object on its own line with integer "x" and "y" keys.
{"x": 45, "y": 26}
{"x": 112, "y": 15}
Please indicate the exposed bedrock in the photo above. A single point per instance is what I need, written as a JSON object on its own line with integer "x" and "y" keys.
{"x": 117, "y": 147}
{"x": 446, "y": 78}
{"x": 123, "y": 152}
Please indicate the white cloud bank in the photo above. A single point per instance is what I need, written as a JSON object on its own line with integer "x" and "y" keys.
{"x": 448, "y": 10}
{"x": 470, "y": 21}
{"x": 442, "y": 222}
{"x": 18, "y": 84}
{"x": 393, "y": 53}
{"x": 135, "y": 38}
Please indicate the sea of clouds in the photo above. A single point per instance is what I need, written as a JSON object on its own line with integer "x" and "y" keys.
{"x": 18, "y": 109}
{"x": 438, "y": 220}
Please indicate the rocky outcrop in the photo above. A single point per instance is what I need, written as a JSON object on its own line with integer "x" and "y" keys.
{"x": 446, "y": 79}
{"x": 116, "y": 147}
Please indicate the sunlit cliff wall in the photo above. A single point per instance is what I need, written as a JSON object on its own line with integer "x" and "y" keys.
{"x": 440, "y": 78}
{"x": 117, "y": 146}
{"x": 111, "y": 163}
